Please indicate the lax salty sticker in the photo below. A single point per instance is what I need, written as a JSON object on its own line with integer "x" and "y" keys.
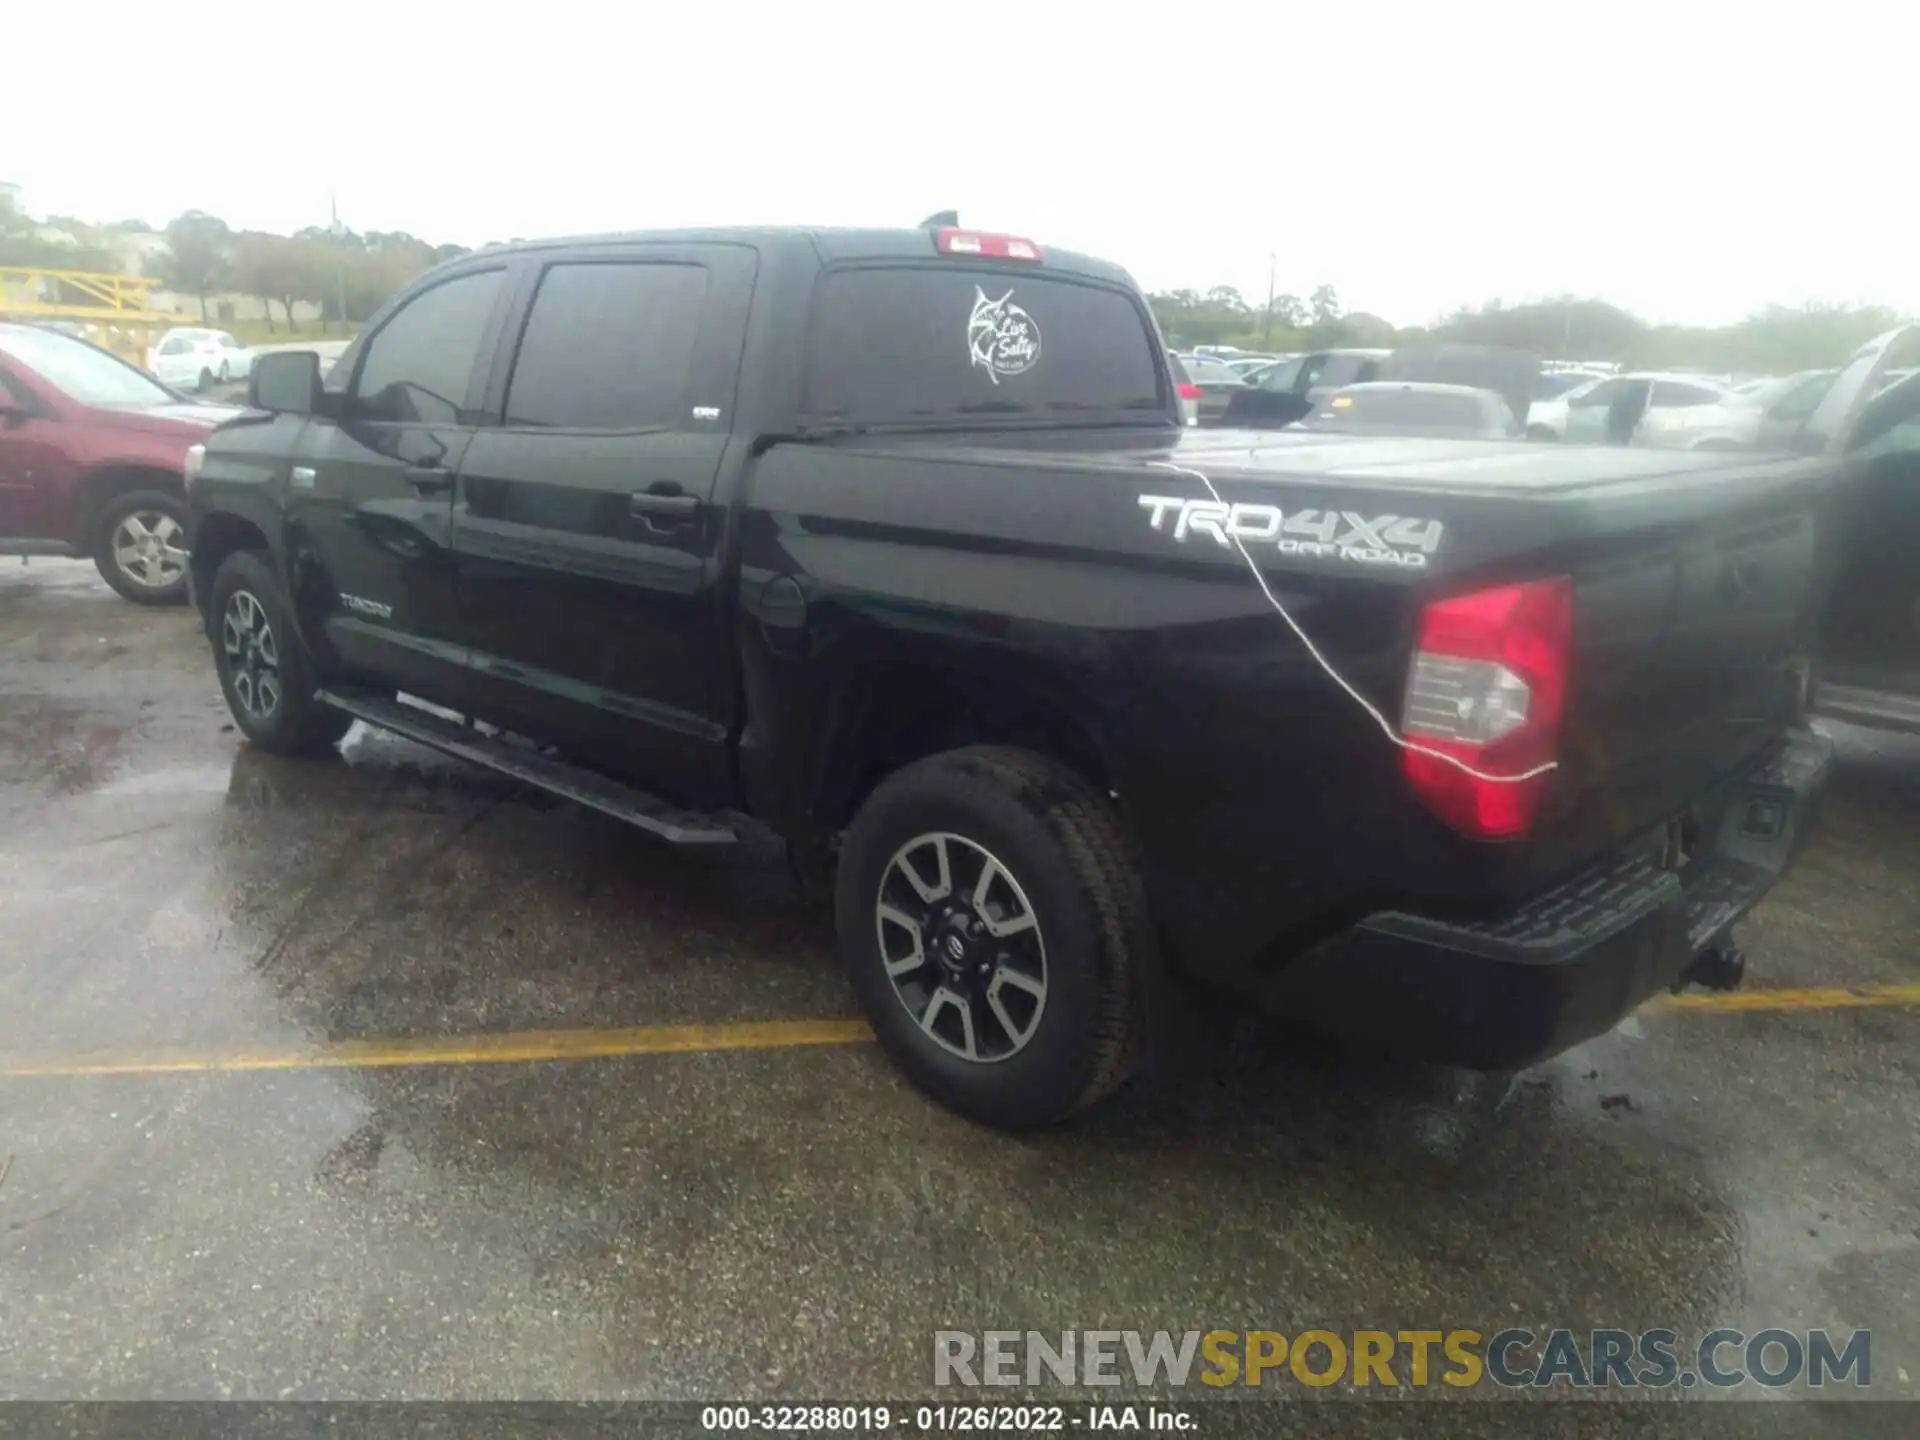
{"x": 1002, "y": 339}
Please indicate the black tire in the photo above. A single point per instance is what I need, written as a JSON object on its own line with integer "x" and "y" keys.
{"x": 1059, "y": 839}
{"x": 293, "y": 722}
{"x": 160, "y": 578}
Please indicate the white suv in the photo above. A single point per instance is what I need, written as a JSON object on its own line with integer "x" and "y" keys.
{"x": 190, "y": 359}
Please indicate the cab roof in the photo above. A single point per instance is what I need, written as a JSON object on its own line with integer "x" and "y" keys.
{"x": 833, "y": 245}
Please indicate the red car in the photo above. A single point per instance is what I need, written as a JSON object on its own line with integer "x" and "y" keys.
{"x": 91, "y": 457}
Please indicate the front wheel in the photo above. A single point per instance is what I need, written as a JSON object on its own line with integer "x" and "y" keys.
{"x": 993, "y": 921}
{"x": 140, "y": 547}
{"x": 264, "y": 670}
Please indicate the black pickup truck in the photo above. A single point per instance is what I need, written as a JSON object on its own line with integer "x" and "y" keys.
{"x": 893, "y": 542}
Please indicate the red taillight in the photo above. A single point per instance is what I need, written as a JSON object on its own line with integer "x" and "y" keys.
{"x": 992, "y": 247}
{"x": 1189, "y": 391}
{"x": 1487, "y": 688}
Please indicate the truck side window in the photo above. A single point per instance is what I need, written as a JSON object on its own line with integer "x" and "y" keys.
{"x": 1797, "y": 404}
{"x": 608, "y": 347}
{"x": 419, "y": 364}
{"x": 1279, "y": 375}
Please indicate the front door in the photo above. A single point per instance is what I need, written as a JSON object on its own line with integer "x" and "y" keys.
{"x": 586, "y": 541}
{"x": 370, "y": 494}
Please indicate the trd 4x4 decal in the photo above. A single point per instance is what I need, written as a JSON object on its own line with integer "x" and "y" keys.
{"x": 1326, "y": 534}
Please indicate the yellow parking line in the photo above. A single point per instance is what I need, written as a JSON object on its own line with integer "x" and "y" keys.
{"x": 1819, "y": 998}
{"x": 519, "y": 1045}
{"x": 531, "y": 1045}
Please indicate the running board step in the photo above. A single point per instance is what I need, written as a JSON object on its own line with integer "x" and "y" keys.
{"x": 543, "y": 772}
{"x": 1877, "y": 709}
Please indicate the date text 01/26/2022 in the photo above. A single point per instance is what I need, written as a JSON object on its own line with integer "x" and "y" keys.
{"x": 943, "y": 1419}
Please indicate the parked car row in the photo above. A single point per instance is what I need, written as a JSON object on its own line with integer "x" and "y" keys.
{"x": 1681, "y": 411}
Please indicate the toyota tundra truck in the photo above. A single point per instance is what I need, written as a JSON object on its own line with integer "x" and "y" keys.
{"x": 893, "y": 542}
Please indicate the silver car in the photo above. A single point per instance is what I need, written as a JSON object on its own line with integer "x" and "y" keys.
{"x": 1760, "y": 417}
{"x": 1581, "y": 414}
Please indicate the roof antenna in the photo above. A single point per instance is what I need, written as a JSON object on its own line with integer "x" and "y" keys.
{"x": 942, "y": 220}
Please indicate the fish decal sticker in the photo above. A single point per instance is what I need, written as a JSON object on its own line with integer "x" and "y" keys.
{"x": 1002, "y": 338}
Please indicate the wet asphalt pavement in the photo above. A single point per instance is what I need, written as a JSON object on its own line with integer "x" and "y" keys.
{"x": 792, "y": 1221}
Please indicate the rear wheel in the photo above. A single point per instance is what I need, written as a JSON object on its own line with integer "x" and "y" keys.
{"x": 264, "y": 670}
{"x": 993, "y": 922}
{"x": 205, "y": 382}
{"x": 140, "y": 547}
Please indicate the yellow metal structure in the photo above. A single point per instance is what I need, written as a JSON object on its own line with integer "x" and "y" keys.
{"x": 113, "y": 311}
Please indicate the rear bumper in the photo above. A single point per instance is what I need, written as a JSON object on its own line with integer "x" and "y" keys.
{"x": 1569, "y": 964}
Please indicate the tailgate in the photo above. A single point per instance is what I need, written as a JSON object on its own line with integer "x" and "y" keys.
{"x": 1694, "y": 624}
{"x": 1696, "y": 577}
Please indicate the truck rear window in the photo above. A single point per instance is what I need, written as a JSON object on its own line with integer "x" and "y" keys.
{"x": 945, "y": 343}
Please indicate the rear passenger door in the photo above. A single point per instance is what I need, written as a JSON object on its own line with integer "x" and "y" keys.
{"x": 586, "y": 539}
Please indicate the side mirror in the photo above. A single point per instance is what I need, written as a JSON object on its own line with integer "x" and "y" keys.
{"x": 286, "y": 382}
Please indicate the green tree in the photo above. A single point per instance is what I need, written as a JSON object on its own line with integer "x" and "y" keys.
{"x": 257, "y": 263}
{"x": 198, "y": 256}
{"x": 1324, "y": 305}
{"x": 1560, "y": 328}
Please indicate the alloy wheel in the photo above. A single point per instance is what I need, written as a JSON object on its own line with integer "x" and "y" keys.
{"x": 253, "y": 654}
{"x": 962, "y": 947}
{"x": 149, "y": 549}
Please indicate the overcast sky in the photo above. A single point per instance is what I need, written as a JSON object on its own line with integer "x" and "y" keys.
{"x": 1688, "y": 160}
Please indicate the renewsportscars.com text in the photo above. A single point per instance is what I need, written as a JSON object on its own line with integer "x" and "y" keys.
{"x": 1513, "y": 1358}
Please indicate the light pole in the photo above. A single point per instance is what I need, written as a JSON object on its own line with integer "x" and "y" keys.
{"x": 1266, "y": 335}
{"x": 339, "y": 234}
